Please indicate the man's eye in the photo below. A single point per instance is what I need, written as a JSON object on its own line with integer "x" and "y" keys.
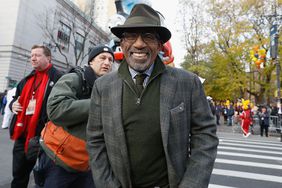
{"x": 131, "y": 36}
{"x": 149, "y": 36}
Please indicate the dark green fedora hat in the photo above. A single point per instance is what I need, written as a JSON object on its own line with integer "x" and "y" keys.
{"x": 143, "y": 16}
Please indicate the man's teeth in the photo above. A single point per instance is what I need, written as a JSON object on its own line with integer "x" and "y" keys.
{"x": 139, "y": 54}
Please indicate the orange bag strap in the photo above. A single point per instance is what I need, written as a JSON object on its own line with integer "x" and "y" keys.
{"x": 45, "y": 127}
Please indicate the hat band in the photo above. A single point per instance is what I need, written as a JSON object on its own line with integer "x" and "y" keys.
{"x": 139, "y": 21}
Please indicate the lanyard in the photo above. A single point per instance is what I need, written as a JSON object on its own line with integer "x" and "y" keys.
{"x": 35, "y": 87}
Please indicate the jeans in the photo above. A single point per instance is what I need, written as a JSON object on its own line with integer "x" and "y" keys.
{"x": 58, "y": 177}
{"x": 229, "y": 120}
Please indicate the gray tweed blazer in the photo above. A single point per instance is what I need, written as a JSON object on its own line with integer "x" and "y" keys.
{"x": 187, "y": 126}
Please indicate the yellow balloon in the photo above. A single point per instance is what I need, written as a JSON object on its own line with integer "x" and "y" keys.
{"x": 261, "y": 51}
{"x": 245, "y": 104}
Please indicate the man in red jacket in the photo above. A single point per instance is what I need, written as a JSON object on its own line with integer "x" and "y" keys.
{"x": 29, "y": 107}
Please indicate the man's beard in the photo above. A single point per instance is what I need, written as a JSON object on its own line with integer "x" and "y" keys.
{"x": 139, "y": 65}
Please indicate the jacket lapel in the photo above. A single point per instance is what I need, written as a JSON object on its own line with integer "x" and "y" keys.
{"x": 167, "y": 94}
{"x": 167, "y": 91}
{"x": 119, "y": 135}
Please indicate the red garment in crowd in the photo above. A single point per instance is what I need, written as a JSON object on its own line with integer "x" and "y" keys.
{"x": 246, "y": 121}
{"x": 33, "y": 89}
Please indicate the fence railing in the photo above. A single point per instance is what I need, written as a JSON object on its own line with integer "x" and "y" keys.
{"x": 275, "y": 124}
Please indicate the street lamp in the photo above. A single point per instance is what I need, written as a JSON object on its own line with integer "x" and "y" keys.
{"x": 274, "y": 35}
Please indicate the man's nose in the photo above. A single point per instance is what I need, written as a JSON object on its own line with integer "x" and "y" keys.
{"x": 108, "y": 61}
{"x": 139, "y": 42}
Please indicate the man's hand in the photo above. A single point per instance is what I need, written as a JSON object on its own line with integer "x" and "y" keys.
{"x": 16, "y": 107}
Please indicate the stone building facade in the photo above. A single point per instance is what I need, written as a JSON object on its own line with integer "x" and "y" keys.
{"x": 24, "y": 23}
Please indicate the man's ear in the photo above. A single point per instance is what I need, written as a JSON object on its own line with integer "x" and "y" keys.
{"x": 49, "y": 59}
{"x": 160, "y": 47}
{"x": 121, "y": 43}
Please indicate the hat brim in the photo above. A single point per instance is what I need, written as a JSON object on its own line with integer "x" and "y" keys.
{"x": 163, "y": 32}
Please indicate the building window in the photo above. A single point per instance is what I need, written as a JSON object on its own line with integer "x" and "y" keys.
{"x": 79, "y": 42}
{"x": 63, "y": 36}
{"x": 91, "y": 46}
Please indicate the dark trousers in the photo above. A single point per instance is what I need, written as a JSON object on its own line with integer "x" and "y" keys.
{"x": 217, "y": 119}
{"x": 21, "y": 166}
{"x": 58, "y": 177}
{"x": 263, "y": 128}
{"x": 3, "y": 109}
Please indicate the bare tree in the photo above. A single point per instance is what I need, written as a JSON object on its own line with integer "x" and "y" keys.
{"x": 71, "y": 31}
{"x": 193, "y": 26}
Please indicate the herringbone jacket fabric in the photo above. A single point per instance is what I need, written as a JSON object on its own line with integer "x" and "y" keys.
{"x": 187, "y": 126}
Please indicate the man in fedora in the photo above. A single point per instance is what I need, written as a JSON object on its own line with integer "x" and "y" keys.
{"x": 149, "y": 125}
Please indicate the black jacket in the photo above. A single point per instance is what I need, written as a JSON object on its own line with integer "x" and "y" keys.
{"x": 54, "y": 75}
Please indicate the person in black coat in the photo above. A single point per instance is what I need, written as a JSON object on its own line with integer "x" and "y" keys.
{"x": 29, "y": 108}
{"x": 264, "y": 121}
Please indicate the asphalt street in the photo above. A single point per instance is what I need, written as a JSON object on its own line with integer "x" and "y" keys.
{"x": 241, "y": 162}
{"x": 253, "y": 162}
{"x": 6, "y": 147}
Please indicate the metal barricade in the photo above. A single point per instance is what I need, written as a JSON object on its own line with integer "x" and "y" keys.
{"x": 275, "y": 123}
{"x": 255, "y": 126}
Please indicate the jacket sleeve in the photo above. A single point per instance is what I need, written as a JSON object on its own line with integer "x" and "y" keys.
{"x": 101, "y": 168}
{"x": 17, "y": 94}
{"x": 203, "y": 139}
{"x": 64, "y": 108}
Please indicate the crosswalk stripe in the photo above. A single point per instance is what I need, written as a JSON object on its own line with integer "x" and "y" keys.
{"x": 260, "y": 142}
{"x": 247, "y": 158}
{"x": 275, "y": 144}
{"x": 249, "y": 155}
{"x": 219, "y": 186}
{"x": 245, "y": 163}
{"x": 251, "y": 146}
{"x": 248, "y": 175}
{"x": 251, "y": 150}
